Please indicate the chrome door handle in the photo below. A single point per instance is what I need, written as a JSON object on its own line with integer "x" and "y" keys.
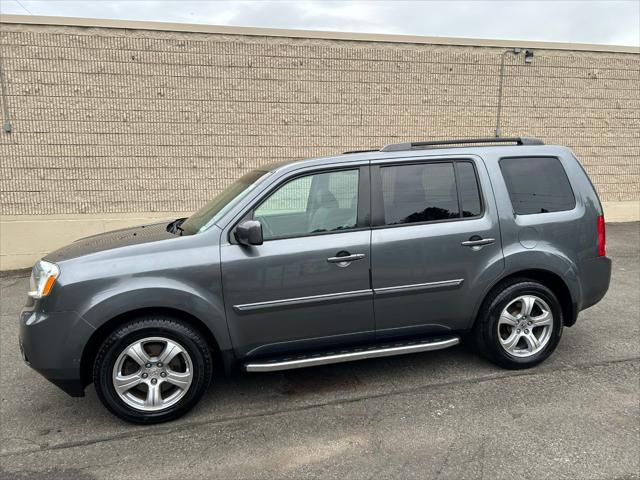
{"x": 346, "y": 259}
{"x": 479, "y": 242}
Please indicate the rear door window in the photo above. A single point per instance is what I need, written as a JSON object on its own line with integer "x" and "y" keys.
{"x": 429, "y": 192}
{"x": 419, "y": 193}
{"x": 537, "y": 185}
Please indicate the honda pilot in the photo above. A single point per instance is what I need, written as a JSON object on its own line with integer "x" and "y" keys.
{"x": 366, "y": 254}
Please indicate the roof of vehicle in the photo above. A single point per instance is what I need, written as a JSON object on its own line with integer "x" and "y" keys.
{"x": 500, "y": 146}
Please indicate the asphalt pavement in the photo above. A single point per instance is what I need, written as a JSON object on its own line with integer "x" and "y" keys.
{"x": 446, "y": 414}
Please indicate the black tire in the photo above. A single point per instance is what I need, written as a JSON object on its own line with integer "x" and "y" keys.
{"x": 152, "y": 326}
{"x": 486, "y": 326}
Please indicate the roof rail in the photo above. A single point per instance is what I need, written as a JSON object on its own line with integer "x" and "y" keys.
{"x": 361, "y": 151}
{"x": 397, "y": 147}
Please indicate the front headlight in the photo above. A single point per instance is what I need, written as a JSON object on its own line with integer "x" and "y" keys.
{"x": 43, "y": 277}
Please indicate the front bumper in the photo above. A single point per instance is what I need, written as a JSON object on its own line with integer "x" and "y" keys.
{"x": 52, "y": 343}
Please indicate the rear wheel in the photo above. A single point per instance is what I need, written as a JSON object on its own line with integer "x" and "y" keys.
{"x": 152, "y": 370}
{"x": 520, "y": 324}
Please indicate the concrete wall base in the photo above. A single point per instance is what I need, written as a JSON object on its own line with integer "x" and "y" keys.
{"x": 25, "y": 239}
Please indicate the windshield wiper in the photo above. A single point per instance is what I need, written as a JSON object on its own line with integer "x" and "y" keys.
{"x": 174, "y": 227}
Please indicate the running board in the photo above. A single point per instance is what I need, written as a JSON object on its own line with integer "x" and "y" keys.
{"x": 348, "y": 355}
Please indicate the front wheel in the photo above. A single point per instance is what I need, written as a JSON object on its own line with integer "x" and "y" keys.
{"x": 152, "y": 370}
{"x": 520, "y": 324}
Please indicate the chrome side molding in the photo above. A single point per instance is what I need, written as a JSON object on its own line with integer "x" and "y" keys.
{"x": 292, "y": 302}
{"x": 345, "y": 296}
{"x": 419, "y": 286}
{"x": 349, "y": 356}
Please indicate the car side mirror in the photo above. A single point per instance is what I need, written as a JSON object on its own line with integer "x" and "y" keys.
{"x": 249, "y": 232}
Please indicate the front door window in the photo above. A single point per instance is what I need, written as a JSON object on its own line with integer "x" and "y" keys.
{"x": 324, "y": 202}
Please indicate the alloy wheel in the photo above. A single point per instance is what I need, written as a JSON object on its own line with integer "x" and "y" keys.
{"x": 525, "y": 326}
{"x": 152, "y": 374}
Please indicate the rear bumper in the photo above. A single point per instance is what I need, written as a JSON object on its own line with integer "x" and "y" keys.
{"x": 52, "y": 344}
{"x": 595, "y": 276}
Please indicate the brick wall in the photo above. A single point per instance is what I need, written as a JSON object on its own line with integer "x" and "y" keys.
{"x": 122, "y": 121}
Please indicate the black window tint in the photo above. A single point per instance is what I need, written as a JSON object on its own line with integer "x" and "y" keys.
{"x": 537, "y": 185}
{"x": 469, "y": 191}
{"x": 419, "y": 193}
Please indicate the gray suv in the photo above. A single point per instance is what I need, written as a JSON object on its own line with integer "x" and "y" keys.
{"x": 365, "y": 254}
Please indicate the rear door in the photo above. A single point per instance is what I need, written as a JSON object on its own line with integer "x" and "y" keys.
{"x": 435, "y": 244}
{"x": 307, "y": 286}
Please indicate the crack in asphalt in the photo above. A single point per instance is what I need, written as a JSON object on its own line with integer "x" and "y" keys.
{"x": 130, "y": 435}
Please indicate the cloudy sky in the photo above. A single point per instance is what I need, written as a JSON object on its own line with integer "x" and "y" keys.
{"x": 614, "y": 22}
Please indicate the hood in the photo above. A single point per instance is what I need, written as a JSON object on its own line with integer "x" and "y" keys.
{"x": 111, "y": 240}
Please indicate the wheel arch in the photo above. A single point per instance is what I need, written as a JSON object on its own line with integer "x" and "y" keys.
{"x": 551, "y": 280}
{"x": 221, "y": 358}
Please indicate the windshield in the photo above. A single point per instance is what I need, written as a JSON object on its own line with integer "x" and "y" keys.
{"x": 222, "y": 203}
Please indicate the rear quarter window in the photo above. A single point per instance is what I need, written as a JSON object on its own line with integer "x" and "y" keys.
{"x": 470, "y": 202}
{"x": 537, "y": 185}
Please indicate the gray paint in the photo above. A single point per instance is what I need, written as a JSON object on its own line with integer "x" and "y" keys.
{"x": 284, "y": 295}
{"x": 433, "y": 252}
{"x": 290, "y": 268}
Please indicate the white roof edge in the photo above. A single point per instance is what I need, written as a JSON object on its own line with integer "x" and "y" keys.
{"x": 316, "y": 34}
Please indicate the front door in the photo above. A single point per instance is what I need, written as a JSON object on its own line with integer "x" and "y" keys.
{"x": 435, "y": 245}
{"x": 296, "y": 291}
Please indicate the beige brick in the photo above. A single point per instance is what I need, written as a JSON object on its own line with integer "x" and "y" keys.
{"x": 115, "y": 121}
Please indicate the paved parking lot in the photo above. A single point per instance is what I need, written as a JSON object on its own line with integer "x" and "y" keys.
{"x": 445, "y": 414}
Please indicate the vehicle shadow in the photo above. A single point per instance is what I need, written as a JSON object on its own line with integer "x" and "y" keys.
{"x": 57, "y": 418}
{"x": 247, "y": 394}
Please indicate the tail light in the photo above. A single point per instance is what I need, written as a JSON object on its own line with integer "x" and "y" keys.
{"x": 602, "y": 237}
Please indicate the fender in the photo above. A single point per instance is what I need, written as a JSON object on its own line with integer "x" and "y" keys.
{"x": 549, "y": 260}
{"x": 160, "y": 292}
